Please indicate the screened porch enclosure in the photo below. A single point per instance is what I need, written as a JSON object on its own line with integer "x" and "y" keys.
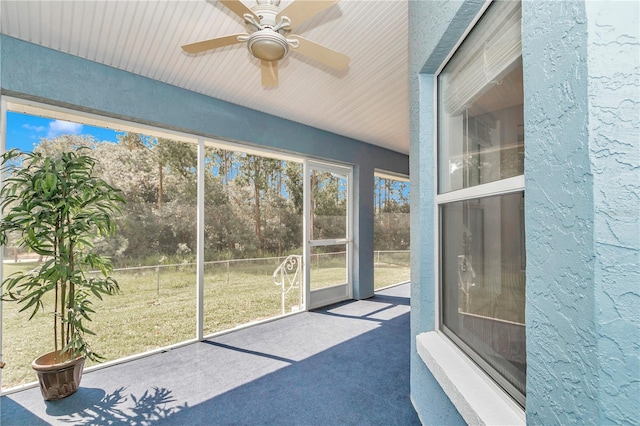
{"x": 206, "y": 230}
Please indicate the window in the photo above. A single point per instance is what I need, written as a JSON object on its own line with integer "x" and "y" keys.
{"x": 391, "y": 226}
{"x": 481, "y": 197}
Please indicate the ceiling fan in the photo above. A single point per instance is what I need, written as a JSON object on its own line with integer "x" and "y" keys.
{"x": 269, "y": 37}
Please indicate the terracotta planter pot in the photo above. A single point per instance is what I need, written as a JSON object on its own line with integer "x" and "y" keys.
{"x": 58, "y": 379}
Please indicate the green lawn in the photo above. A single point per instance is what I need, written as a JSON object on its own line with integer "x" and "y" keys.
{"x": 390, "y": 268}
{"x": 157, "y": 307}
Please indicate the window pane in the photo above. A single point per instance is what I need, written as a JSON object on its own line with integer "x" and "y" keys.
{"x": 329, "y": 205}
{"x": 391, "y": 232}
{"x": 483, "y": 276}
{"x": 252, "y": 221}
{"x": 153, "y": 249}
{"x": 480, "y": 107}
{"x": 328, "y": 266}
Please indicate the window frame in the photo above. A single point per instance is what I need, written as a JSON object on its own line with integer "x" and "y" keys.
{"x": 500, "y": 187}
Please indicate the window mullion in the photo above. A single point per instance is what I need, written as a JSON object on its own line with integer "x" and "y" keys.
{"x": 504, "y": 186}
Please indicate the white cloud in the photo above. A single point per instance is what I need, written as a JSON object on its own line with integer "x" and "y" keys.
{"x": 59, "y": 127}
{"x": 34, "y": 128}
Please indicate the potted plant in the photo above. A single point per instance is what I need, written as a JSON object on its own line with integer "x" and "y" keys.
{"x": 55, "y": 206}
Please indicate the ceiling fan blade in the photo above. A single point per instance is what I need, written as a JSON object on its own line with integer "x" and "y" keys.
{"x": 321, "y": 53}
{"x": 213, "y": 43}
{"x": 239, "y": 8}
{"x": 301, "y": 10}
{"x": 269, "y": 71}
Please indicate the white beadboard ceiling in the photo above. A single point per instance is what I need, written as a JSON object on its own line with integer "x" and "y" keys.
{"x": 368, "y": 101}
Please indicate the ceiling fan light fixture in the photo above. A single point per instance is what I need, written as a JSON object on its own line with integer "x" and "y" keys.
{"x": 268, "y": 45}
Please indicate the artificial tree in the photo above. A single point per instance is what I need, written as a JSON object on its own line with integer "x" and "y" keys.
{"x": 54, "y": 206}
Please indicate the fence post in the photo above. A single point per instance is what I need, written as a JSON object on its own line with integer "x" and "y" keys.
{"x": 158, "y": 280}
{"x": 227, "y": 271}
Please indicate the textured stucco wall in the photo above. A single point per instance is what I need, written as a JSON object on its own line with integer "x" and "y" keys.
{"x": 613, "y": 59}
{"x": 561, "y": 361}
{"x": 581, "y": 170}
{"x": 363, "y": 235}
{"x": 34, "y": 72}
{"x": 434, "y": 28}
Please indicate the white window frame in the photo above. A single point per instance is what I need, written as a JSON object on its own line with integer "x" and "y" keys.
{"x": 476, "y": 396}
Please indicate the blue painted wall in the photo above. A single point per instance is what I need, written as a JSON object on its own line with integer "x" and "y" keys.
{"x": 582, "y": 129}
{"x": 434, "y": 28}
{"x": 582, "y": 97}
{"x": 34, "y": 72}
{"x": 613, "y": 64}
{"x": 561, "y": 360}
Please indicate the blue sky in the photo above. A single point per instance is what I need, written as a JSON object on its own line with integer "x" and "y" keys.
{"x": 24, "y": 131}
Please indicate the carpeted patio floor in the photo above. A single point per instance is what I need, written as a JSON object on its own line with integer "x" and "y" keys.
{"x": 347, "y": 364}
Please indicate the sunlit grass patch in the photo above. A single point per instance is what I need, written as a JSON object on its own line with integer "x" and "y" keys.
{"x": 156, "y": 307}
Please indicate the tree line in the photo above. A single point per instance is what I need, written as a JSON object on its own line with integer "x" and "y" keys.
{"x": 253, "y": 204}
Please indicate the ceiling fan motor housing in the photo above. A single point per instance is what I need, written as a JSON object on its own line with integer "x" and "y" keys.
{"x": 268, "y": 42}
{"x": 267, "y": 45}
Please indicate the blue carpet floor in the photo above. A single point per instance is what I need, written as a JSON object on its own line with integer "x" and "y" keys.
{"x": 347, "y": 364}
